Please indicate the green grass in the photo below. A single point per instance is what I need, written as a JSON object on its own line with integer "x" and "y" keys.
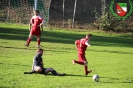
{"x": 111, "y": 57}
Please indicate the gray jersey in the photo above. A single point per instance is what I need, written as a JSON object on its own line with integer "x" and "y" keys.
{"x": 38, "y": 60}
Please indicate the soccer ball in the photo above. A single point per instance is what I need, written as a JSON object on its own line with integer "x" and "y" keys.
{"x": 95, "y": 78}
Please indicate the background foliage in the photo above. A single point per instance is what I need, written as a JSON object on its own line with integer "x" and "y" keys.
{"x": 90, "y": 14}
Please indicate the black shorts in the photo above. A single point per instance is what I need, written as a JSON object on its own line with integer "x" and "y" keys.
{"x": 43, "y": 71}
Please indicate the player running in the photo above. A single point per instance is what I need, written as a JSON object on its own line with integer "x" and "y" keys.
{"x": 36, "y": 23}
{"x": 81, "y": 46}
{"x": 38, "y": 66}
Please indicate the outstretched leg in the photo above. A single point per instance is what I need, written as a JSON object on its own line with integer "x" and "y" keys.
{"x": 78, "y": 62}
{"x": 54, "y": 72}
{"x": 82, "y": 61}
{"x": 86, "y": 68}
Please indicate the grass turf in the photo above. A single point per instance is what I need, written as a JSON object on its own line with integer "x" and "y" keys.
{"x": 110, "y": 56}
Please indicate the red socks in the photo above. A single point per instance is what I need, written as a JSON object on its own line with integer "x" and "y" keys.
{"x": 38, "y": 41}
{"x": 86, "y": 69}
{"x": 82, "y": 63}
{"x": 28, "y": 41}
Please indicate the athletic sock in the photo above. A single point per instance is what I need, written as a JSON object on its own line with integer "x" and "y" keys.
{"x": 54, "y": 72}
{"x": 28, "y": 41}
{"x": 78, "y": 62}
{"x": 86, "y": 69}
{"x": 38, "y": 41}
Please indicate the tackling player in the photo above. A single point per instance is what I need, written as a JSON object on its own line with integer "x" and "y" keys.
{"x": 36, "y": 23}
{"x": 81, "y": 46}
{"x": 38, "y": 66}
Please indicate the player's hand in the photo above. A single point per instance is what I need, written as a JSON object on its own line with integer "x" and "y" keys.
{"x": 89, "y": 45}
{"x": 41, "y": 24}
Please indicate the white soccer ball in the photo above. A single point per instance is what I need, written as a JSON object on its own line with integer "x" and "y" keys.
{"x": 95, "y": 78}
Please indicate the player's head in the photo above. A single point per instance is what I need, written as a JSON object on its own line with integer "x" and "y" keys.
{"x": 36, "y": 12}
{"x": 39, "y": 51}
{"x": 89, "y": 36}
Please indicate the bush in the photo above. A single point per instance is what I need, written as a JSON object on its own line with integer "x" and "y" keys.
{"x": 108, "y": 22}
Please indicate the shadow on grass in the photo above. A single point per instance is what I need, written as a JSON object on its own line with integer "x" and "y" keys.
{"x": 112, "y": 51}
{"x": 17, "y": 64}
{"x": 68, "y": 75}
{"x": 32, "y": 48}
{"x": 64, "y": 38}
{"x": 8, "y": 47}
{"x": 115, "y": 80}
{"x": 49, "y": 74}
{"x": 77, "y": 75}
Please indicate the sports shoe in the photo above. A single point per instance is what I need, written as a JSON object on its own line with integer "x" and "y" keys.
{"x": 88, "y": 72}
{"x": 26, "y": 45}
{"x": 73, "y": 62}
{"x": 31, "y": 72}
{"x": 38, "y": 46}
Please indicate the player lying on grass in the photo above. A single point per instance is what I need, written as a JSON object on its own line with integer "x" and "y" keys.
{"x": 38, "y": 66}
{"x": 36, "y": 23}
{"x": 81, "y": 46}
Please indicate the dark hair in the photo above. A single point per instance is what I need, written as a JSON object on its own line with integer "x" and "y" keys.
{"x": 37, "y": 11}
{"x": 89, "y": 35}
{"x": 38, "y": 50}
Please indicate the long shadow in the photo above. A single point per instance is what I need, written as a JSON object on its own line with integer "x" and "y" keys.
{"x": 15, "y": 47}
{"x": 112, "y": 51}
{"x": 17, "y": 65}
{"x": 77, "y": 75}
{"x": 49, "y": 74}
{"x": 70, "y": 75}
{"x": 64, "y": 38}
{"x": 11, "y": 47}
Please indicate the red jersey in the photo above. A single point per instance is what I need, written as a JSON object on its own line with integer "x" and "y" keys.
{"x": 81, "y": 45}
{"x": 36, "y": 21}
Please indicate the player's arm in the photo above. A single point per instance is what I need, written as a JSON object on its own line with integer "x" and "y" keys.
{"x": 33, "y": 64}
{"x": 41, "y": 26}
{"x": 30, "y": 25}
{"x": 42, "y": 64}
{"x": 41, "y": 60}
{"x": 86, "y": 43}
{"x": 76, "y": 44}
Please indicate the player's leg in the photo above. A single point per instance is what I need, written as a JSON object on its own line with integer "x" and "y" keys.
{"x": 51, "y": 70}
{"x": 83, "y": 61}
{"x": 29, "y": 39}
{"x": 38, "y": 35}
{"x": 38, "y": 41}
{"x": 54, "y": 72}
{"x": 86, "y": 70}
{"x": 37, "y": 69}
{"x": 86, "y": 65}
{"x": 77, "y": 62}
{"x": 80, "y": 61}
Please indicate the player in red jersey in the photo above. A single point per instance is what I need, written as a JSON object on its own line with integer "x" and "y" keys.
{"x": 81, "y": 46}
{"x": 36, "y": 23}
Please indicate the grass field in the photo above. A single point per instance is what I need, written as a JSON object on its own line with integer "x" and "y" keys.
{"x": 110, "y": 56}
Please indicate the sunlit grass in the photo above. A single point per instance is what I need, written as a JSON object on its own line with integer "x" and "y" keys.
{"x": 110, "y": 56}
